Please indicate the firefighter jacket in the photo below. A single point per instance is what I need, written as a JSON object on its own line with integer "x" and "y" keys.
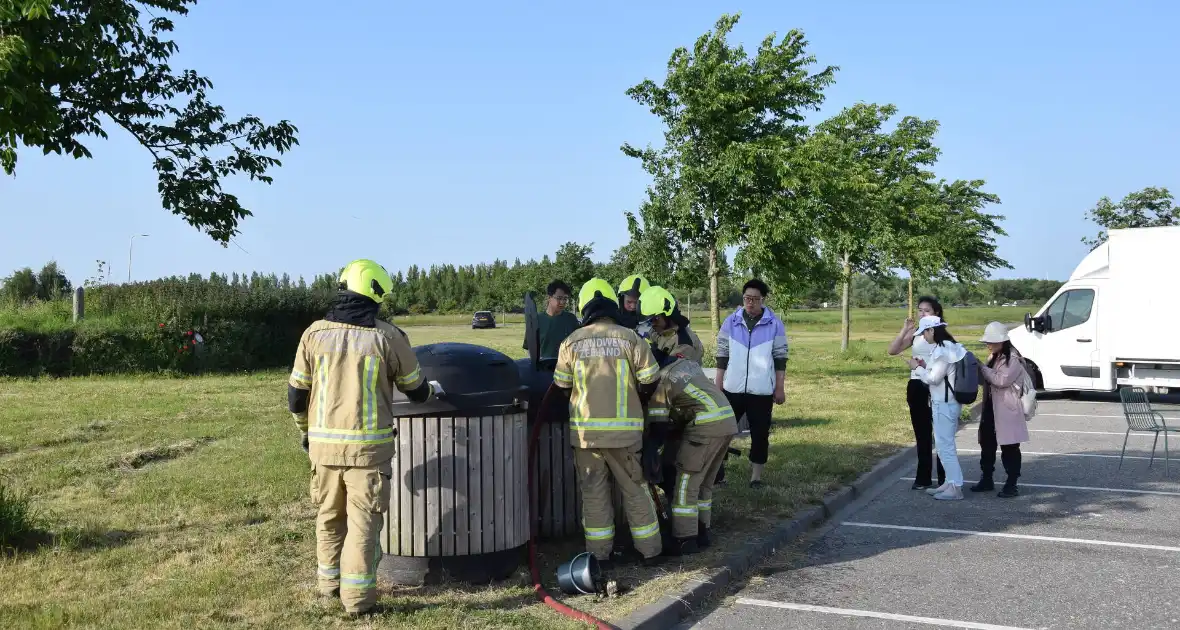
{"x": 602, "y": 363}
{"x": 672, "y": 341}
{"x": 692, "y": 402}
{"x": 354, "y": 374}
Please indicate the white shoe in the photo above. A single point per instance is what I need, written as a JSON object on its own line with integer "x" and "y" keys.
{"x": 953, "y": 493}
{"x": 939, "y": 489}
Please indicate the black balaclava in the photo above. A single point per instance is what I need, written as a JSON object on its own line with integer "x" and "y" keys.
{"x": 599, "y": 307}
{"x": 354, "y": 308}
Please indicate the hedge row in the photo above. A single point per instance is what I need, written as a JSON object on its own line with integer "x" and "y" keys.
{"x": 224, "y": 347}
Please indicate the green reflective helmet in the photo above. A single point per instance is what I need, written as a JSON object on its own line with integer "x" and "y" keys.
{"x": 366, "y": 278}
{"x": 656, "y": 300}
{"x": 595, "y": 287}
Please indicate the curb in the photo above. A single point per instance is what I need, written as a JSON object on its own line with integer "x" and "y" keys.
{"x": 672, "y": 608}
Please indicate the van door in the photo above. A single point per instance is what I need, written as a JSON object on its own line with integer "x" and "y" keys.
{"x": 1071, "y": 341}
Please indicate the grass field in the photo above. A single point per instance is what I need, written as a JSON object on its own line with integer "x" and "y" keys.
{"x": 182, "y": 502}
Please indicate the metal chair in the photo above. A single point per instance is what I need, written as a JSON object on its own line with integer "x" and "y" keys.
{"x": 1141, "y": 417}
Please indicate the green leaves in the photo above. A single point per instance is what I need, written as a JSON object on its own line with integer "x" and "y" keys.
{"x": 65, "y": 65}
{"x": 1150, "y": 207}
{"x": 730, "y": 122}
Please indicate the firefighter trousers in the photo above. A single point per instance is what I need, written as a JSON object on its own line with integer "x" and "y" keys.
{"x": 697, "y": 463}
{"x": 351, "y": 502}
{"x": 600, "y": 469}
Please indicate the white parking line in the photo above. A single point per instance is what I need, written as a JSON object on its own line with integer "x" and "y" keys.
{"x": 1024, "y": 452}
{"x": 1089, "y": 432}
{"x": 1094, "y": 488}
{"x": 967, "y": 532}
{"x": 1074, "y": 415}
{"x": 848, "y": 612}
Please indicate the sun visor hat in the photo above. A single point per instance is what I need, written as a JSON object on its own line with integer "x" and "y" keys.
{"x": 928, "y": 322}
{"x": 995, "y": 332}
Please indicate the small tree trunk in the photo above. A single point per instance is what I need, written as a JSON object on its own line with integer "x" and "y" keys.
{"x": 845, "y": 307}
{"x": 910, "y": 302}
{"x": 714, "y": 320}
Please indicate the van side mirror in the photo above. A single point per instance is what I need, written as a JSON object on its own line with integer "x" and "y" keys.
{"x": 1037, "y": 324}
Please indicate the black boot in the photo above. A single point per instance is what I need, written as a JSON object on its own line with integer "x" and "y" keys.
{"x": 703, "y": 541}
{"x": 985, "y": 483}
{"x": 1008, "y": 491}
{"x": 681, "y": 547}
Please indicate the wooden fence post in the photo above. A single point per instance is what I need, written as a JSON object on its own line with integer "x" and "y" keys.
{"x": 79, "y": 304}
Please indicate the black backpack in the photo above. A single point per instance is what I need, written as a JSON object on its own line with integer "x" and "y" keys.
{"x": 966, "y": 387}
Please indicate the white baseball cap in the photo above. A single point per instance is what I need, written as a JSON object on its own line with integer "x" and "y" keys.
{"x": 928, "y": 322}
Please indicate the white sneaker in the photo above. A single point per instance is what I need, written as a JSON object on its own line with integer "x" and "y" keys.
{"x": 953, "y": 493}
{"x": 939, "y": 489}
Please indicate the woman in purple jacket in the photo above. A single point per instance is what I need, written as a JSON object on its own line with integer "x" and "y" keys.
{"x": 752, "y": 368}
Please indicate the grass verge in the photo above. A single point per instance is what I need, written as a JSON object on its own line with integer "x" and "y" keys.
{"x": 204, "y": 520}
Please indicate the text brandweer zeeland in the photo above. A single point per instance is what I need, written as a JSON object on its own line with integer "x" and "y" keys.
{"x": 601, "y": 347}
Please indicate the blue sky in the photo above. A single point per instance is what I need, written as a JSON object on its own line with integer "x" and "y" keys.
{"x": 436, "y": 132}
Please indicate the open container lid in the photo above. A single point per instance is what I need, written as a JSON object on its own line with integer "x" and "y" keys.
{"x": 479, "y": 381}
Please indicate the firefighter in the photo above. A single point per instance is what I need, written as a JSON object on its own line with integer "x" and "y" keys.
{"x": 609, "y": 372}
{"x": 629, "y": 291}
{"x": 700, "y": 417}
{"x": 665, "y": 327}
{"x": 347, "y": 367}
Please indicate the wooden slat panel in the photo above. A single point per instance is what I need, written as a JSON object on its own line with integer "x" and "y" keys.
{"x": 522, "y": 479}
{"x": 446, "y": 437}
{"x": 419, "y": 475}
{"x": 500, "y": 474}
{"x": 406, "y": 496}
{"x": 558, "y": 452}
{"x": 570, "y": 477}
{"x": 462, "y": 504}
{"x": 544, "y": 505}
{"x": 474, "y": 486}
{"x": 488, "y": 457}
{"x": 433, "y": 501}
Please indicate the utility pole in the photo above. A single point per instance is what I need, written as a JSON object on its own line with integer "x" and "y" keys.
{"x": 129, "y": 250}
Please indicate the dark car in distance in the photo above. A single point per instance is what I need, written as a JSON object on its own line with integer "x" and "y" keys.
{"x": 483, "y": 319}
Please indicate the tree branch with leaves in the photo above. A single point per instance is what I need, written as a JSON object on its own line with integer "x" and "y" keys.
{"x": 1150, "y": 207}
{"x": 66, "y": 65}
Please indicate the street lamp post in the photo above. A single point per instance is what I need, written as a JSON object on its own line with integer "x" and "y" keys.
{"x": 129, "y": 250}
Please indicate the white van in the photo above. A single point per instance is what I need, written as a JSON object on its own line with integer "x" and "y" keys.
{"x": 1116, "y": 322}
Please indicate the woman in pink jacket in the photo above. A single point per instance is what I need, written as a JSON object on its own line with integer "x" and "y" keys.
{"x": 1002, "y": 421}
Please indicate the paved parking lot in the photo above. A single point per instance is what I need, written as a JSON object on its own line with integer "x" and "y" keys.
{"x": 1084, "y": 546}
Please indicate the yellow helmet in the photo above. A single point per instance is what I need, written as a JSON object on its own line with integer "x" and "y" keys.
{"x": 656, "y": 300}
{"x": 366, "y": 278}
{"x": 595, "y": 287}
{"x": 634, "y": 282}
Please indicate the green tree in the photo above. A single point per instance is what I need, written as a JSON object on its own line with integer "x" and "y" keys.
{"x": 1150, "y": 207}
{"x": 729, "y": 120}
{"x": 52, "y": 283}
{"x": 66, "y": 66}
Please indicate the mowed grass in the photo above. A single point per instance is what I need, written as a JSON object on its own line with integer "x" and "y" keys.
{"x": 181, "y": 503}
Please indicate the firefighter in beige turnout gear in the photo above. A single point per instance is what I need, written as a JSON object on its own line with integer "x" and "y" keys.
{"x": 347, "y": 368}
{"x": 700, "y": 414}
{"x": 608, "y": 371}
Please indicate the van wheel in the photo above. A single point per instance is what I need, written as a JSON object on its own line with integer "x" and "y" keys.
{"x": 1038, "y": 380}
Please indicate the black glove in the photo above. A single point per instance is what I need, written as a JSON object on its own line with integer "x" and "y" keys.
{"x": 650, "y": 458}
{"x": 653, "y": 439}
{"x": 306, "y": 446}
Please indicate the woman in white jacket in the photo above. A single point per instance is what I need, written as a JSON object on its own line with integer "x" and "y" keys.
{"x": 940, "y": 378}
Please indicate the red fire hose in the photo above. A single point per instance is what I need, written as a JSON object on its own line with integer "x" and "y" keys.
{"x": 542, "y": 594}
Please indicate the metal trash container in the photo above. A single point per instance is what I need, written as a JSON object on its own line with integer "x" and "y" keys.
{"x": 458, "y": 505}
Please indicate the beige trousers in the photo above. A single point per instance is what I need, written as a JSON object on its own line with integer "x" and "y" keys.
{"x": 598, "y": 470}
{"x": 351, "y": 502}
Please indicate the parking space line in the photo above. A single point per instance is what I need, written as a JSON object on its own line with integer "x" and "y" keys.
{"x": 1095, "y": 488}
{"x": 1074, "y": 415}
{"x": 848, "y": 612}
{"x": 967, "y": 532}
{"x": 1088, "y": 432}
{"x": 1024, "y": 452}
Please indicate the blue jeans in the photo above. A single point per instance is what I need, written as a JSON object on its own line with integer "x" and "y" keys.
{"x": 946, "y": 424}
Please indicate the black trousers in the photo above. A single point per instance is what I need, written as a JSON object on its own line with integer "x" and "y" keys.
{"x": 917, "y": 396}
{"x": 1009, "y": 453}
{"x": 757, "y": 409}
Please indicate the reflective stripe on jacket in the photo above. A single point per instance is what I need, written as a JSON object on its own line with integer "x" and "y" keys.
{"x": 689, "y": 399}
{"x": 603, "y": 363}
{"x": 354, "y": 374}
